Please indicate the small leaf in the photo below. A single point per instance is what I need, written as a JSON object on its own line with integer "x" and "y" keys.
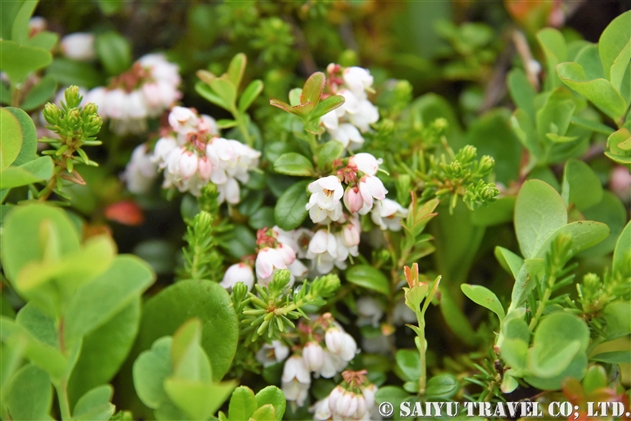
{"x": 526, "y": 281}
{"x": 20, "y": 30}
{"x": 12, "y": 139}
{"x": 409, "y": 361}
{"x": 197, "y": 399}
{"x": 250, "y": 93}
{"x": 619, "y": 146}
{"x": 272, "y": 395}
{"x": 28, "y": 152}
{"x": 114, "y": 51}
{"x": 614, "y": 48}
{"x": 509, "y": 261}
{"x": 312, "y": 89}
{"x": 225, "y": 123}
{"x": 555, "y": 49}
{"x": 622, "y": 253}
{"x": 484, "y": 297}
{"x": 207, "y": 93}
{"x": 581, "y": 185}
{"x": 40, "y": 93}
{"x": 539, "y": 211}
{"x": 327, "y": 153}
{"x": 585, "y": 234}
{"x": 613, "y": 357}
{"x": 264, "y": 413}
{"x": 327, "y": 105}
{"x": 237, "y": 68}
{"x": 95, "y": 405}
{"x": 29, "y": 395}
{"x": 290, "y": 210}
{"x": 442, "y": 386}
{"x": 521, "y": 92}
{"x": 71, "y": 72}
{"x": 34, "y": 171}
{"x": 618, "y": 317}
{"x": 599, "y": 91}
{"x": 45, "y": 39}
{"x": 151, "y": 369}
{"x": 294, "y": 164}
{"x": 17, "y": 61}
{"x": 225, "y": 89}
{"x": 368, "y": 277}
{"x": 243, "y": 403}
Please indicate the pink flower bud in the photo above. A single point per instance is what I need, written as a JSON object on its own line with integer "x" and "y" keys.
{"x": 205, "y": 168}
{"x": 239, "y": 272}
{"x": 188, "y": 164}
{"x": 353, "y": 199}
{"x": 313, "y": 356}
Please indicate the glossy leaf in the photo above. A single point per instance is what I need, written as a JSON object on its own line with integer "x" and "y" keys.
{"x": 368, "y": 277}
{"x": 613, "y": 357}
{"x": 197, "y": 399}
{"x": 272, "y": 395}
{"x": 312, "y": 89}
{"x": 511, "y": 262}
{"x": 622, "y": 253}
{"x": 408, "y": 360}
{"x": 209, "y": 94}
{"x": 521, "y": 92}
{"x": 442, "y": 386}
{"x": 265, "y": 413}
{"x": 20, "y": 29}
{"x": 242, "y": 404}
{"x": 224, "y": 89}
{"x": 610, "y": 211}
{"x": 327, "y": 105}
{"x": 237, "y": 68}
{"x": 34, "y": 171}
{"x": 328, "y": 152}
{"x": 151, "y": 369}
{"x": 618, "y": 317}
{"x": 539, "y": 211}
{"x": 585, "y": 234}
{"x": 526, "y": 281}
{"x": 290, "y": 211}
{"x": 555, "y": 49}
{"x": 484, "y": 297}
{"x": 619, "y": 146}
{"x": 164, "y": 313}
{"x": 294, "y": 164}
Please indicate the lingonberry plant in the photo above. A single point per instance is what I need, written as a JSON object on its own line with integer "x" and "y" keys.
{"x": 307, "y": 229}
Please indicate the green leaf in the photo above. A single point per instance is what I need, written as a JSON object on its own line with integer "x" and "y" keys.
{"x": 514, "y": 352}
{"x": 614, "y": 48}
{"x": 97, "y": 302}
{"x": 585, "y": 234}
{"x": 599, "y": 91}
{"x": 368, "y": 277}
{"x": 526, "y": 280}
{"x": 618, "y": 317}
{"x": 197, "y": 399}
{"x": 71, "y": 72}
{"x": 442, "y": 386}
{"x": 34, "y": 171}
{"x": 45, "y": 39}
{"x": 28, "y": 152}
{"x": 265, "y": 413}
{"x": 104, "y": 350}
{"x": 581, "y": 185}
{"x": 17, "y": 61}
{"x": 20, "y": 239}
{"x": 327, "y": 105}
{"x": 225, "y": 123}
{"x": 610, "y": 211}
{"x": 312, "y": 89}
{"x": 554, "y": 117}
{"x": 114, "y": 51}
{"x": 409, "y": 361}
{"x": 226, "y": 90}
{"x": 151, "y": 369}
{"x": 189, "y": 360}
{"x": 110, "y": 7}
{"x": 619, "y": 146}
{"x": 328, "y": 152}
{"x": 557, "y": 339}
{"x": 294, "y": 164}
{"x": 272, "y": 395}
{"x": 509, "y": 261}
{"x": 40, "y": 93}
{"x": 236, "y": 69}
{"x": 29, "y": 395}
{"x": 576, "y": 369}
{"x": 95, "y": 405}
{"x": 242, "y": 404}
{"x": 250, "y": 93}
{"x": 164, "y": 313}
{"x": 263, "y": 217}
{"x": 209, "y": 94}
{"x": 521, "y": 91}
{"x": 290, "y": 209}
{"x": 554, "y": 47}
{"x": 622, "y": 253}
{"x": 495, "y": 213}
{"x": 613, "y": 357}
{"x": 592, "y": 125}
{"x": 12, "y": 138}
{"x": 524, "y": 128}
{"x": 539, "y": 211}
{"x": 19, "y": 31}
{"x": 5, "y": 95}
{"x": 484, "y": 297}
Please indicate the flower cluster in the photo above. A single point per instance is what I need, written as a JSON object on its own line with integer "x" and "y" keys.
{"x": 353, "y": 399}
{"x": 145, "y": 91}
{"x": 346, "y": 123}
{"x": 192, "y": 154}
{"x": 277, "y": 249}
{"x": 326, "y": 351}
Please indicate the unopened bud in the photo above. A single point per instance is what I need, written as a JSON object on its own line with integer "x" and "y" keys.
{"x": 51, "y": 113}
{"x": 486, "y": 164}
{"x": 90, "y": 108}
{"x": 281, "y": 279}
{"x": 73, "y": 99}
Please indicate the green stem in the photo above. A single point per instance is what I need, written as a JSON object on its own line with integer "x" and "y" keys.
{"x": 64, "y": 404}
{"x": 542, "y": 305}
{"x": 313, "y": 142}
{"x": 243, "y": 128}
{"x": 422, "y": 382}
